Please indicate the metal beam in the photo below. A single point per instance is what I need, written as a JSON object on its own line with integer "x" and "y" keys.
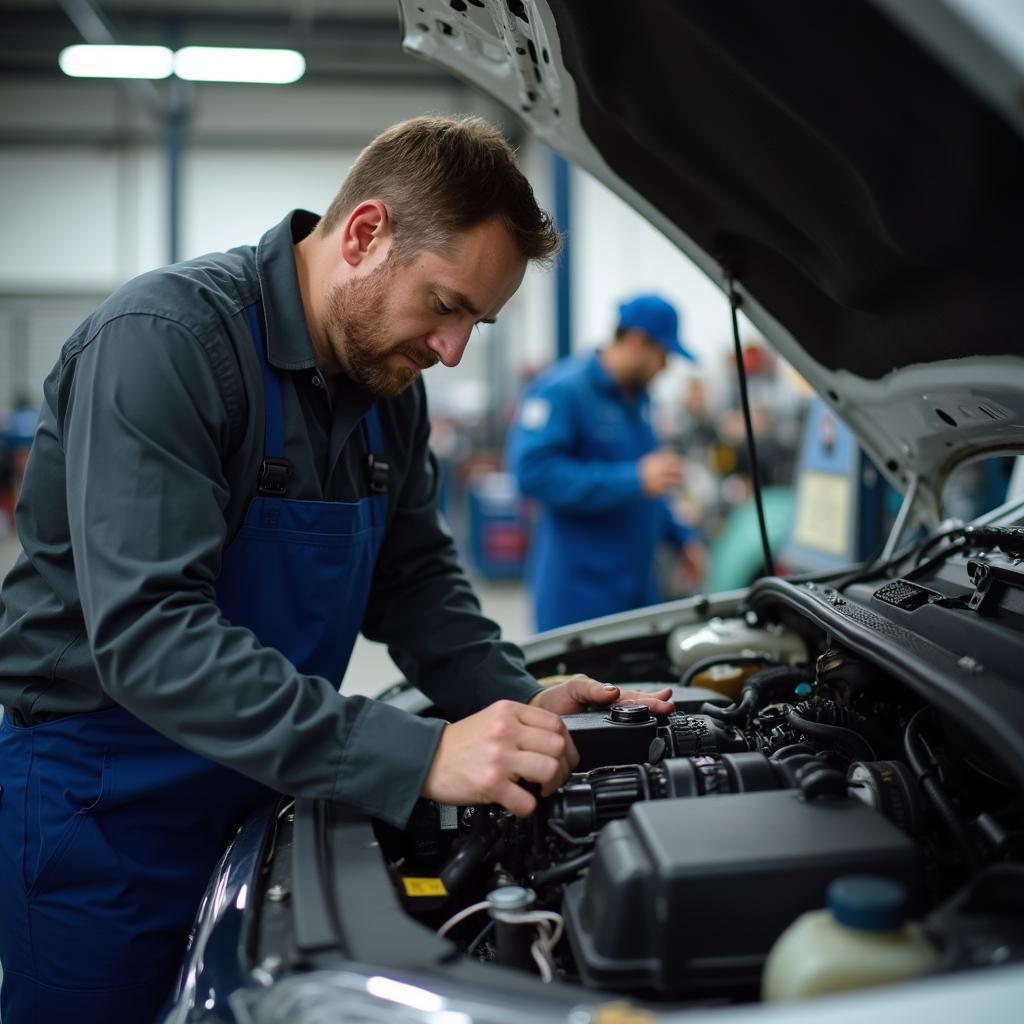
{"x": 94, "y": 29}
{"x": 563, "y": 274}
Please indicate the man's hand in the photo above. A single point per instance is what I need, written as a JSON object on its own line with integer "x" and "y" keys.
{"x": 693, "y": 564}
{"x": 660, "y": 472}
{"x": 481, "y": 759}
{"x": 577, "y": 692}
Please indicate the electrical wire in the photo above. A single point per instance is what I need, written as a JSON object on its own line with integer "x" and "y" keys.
{"x": 563, "y": 870}
{"x": 915, "y": 548}
{"x": 926, "y": 776}
{"x": 480, "y": 937}
{"x": 469, "y": 911}
{"x": 587, "y": 840}
{"x": 544, "y": 919}
{"x": 550, "y": 927}
{"x": 858, "y": 748}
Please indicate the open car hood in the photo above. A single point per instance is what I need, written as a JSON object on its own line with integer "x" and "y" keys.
{"x": 855, "y": 168}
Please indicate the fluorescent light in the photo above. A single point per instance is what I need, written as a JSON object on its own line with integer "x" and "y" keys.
{"x": 116, "y": 61}
{"x": 235, "y": 64}
{"x": 195, "y": 63}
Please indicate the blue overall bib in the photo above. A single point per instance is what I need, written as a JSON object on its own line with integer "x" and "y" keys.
{"x": 108, "y": 830}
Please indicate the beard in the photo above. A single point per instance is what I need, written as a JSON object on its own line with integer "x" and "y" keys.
{"x": 356, "y": 316}
{"x": 636, "y": 380}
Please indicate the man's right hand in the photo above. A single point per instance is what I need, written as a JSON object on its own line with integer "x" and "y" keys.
{"x": 660, "y": 472}
{"x": 481, "y": 759}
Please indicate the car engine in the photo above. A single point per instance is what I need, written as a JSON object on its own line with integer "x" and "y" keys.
{"x": 682, "y": 847}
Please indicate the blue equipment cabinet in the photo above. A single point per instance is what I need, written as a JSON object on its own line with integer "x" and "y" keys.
{"x": 841, "y": 507}
{"x": 498, "y": 529}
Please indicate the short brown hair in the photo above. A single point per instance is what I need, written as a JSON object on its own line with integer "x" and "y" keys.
{"x": 440, "y": 176}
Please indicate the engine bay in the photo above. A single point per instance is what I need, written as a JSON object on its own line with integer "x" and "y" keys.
{"x": 815, "y": 736}
{"x": 820, "y": 732}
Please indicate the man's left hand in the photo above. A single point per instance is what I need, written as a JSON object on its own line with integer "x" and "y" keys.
{"x": 578, "y": 692}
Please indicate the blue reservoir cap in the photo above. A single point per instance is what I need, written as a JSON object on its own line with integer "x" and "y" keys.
{"x": 803, "y": 690}
{"x": 868, "y": 902}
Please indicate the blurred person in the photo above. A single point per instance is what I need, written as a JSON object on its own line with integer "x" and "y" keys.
{"x": 774, "y": 458}
{"x": 697, "y": 432}
{"x": 15, "y": 442}
{"x": 696, "y": 436}
{"x": 583, "y": 448}
{"x": 230, "y": 480}
{"x": 18, "y": 432}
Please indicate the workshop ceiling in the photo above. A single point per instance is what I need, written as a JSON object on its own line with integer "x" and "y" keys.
{"x": 341, "y": 39}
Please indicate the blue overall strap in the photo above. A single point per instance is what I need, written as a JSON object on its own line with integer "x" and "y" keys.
{"x": 378, "y": 467}
{"x": 375, "y": 437}
{"x": 275, "y": 469}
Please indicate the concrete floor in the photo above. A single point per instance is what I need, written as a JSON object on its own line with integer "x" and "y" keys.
{"x": 371, "y": 670}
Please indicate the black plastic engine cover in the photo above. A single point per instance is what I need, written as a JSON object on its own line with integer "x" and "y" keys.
{"x": 689, "y": 895}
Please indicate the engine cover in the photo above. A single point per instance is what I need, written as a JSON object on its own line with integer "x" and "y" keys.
{"x": 689, "y": 895}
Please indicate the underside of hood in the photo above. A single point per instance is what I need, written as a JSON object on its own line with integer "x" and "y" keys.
{"x": 867, "y": 199}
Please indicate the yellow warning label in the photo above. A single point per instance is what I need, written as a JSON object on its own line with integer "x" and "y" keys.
{"x": 424, "y": 887}
{"x": 622, "y": 1013}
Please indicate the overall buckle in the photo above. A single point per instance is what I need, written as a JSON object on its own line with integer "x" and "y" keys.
{"x": 378, "y": 474}
{"x": 274, "y": 474}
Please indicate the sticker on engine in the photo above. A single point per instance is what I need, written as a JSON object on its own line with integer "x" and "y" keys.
{"x": 424, "y": 887}
{"x": 622, "y": 1013}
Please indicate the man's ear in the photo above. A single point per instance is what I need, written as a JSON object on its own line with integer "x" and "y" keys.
{"x": 366, "y": 232}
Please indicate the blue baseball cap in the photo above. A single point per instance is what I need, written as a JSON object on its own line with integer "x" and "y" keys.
{"x": 658, "y": 319}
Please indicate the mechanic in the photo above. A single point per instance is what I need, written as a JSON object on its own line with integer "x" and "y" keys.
{"x": 582, "y": 445}
{"x": 230, "y": 479}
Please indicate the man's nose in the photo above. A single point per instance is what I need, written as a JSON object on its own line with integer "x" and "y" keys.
{"x": 450, "y": 343}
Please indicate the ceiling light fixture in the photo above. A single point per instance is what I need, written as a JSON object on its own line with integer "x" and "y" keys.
{"x": 86, "y": 61}
{"x": 235, "y": 64}
{"x": 194, "y": 63}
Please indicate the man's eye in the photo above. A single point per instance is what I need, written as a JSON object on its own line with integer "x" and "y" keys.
{"x": 441, "y": 308}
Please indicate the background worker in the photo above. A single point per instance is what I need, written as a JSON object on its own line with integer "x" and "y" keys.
{"x": 230, "y": 479}
{"x": 15, "y": 441}
{"x": 583, "y": 447}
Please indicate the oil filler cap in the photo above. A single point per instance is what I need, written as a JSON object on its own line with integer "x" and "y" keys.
{"x": 630, "y": 714}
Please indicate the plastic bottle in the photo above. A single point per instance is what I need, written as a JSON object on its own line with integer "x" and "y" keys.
{"x": 863, "y": 939}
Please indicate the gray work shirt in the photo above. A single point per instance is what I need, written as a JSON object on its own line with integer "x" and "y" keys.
{"x": 147, "y": 453}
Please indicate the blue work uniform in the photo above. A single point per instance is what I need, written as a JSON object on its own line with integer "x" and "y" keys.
{"x": 575, "y": 448}
{"x": 204, "y": 533}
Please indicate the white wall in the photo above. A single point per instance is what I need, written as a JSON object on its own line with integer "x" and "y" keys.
{"x": 91, "y": 212}
{"x": 616, "y": 254}
{"x": 83, "y": 206}
{"x": 84, "y": 195}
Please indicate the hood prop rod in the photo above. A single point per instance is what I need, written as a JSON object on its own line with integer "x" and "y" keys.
{"x": 755, "y": 476}
{"x": 902, "y": 518}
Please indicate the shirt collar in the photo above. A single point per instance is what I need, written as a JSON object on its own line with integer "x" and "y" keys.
{"x": 602, "y": 380}
{"x": 289, "y": 346}
{"x": 600, "y": 377}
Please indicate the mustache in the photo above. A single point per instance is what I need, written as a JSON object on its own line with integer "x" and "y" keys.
{"x": 424, "y": 358}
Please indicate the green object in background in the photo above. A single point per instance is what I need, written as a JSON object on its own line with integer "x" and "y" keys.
{"x": 735, "y": 555}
